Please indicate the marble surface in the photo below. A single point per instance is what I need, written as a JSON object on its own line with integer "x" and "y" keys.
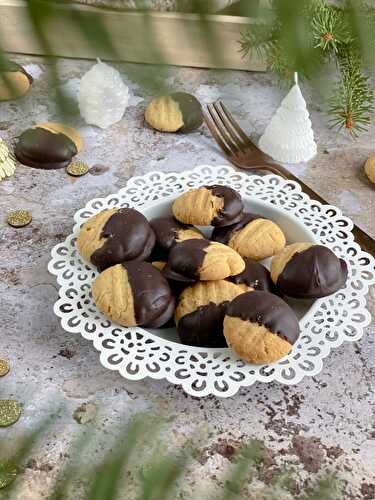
{"x": 324, "y": 424}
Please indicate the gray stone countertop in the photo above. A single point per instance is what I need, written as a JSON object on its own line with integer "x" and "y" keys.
{"x": 325, "y": 423}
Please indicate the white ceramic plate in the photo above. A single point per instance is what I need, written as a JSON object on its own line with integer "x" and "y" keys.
{"x": 137, "y": 353}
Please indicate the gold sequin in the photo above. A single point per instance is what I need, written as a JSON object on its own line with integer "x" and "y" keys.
{"x": 77, "y": 168}
{"x": 4, "y": 367}
{"x": 10, "y": 412}
{"x": 19, "y": 218}
{"x": 8, "y": 472}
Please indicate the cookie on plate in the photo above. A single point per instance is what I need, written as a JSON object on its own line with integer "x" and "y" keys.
{"x": 260, "y": 327}
{"x": 256, "y": 276}
{"x": 114, "y": 236}
{"x": 169, "y": 231}
{"x": 253, "y": 236}
{"x": 200, "y": 312}
{"x": 134, "y": 293}
{"x": 208, "y": 205}
{"x": 308, "y": 271}
{"x": 199, "y": 259}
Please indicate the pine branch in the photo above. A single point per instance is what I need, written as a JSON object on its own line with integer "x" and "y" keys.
{"x": 329, "y": 27}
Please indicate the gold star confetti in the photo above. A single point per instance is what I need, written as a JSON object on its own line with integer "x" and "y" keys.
{"x": 4, "y": 367}
{"x": 77, "y": 168}
{"x": 8, "y": 472}
{"x": 10, "y": 412}
{"x": 19, "y": 218}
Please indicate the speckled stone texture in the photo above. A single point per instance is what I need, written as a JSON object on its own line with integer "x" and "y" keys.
{"x": 323, "y": 424}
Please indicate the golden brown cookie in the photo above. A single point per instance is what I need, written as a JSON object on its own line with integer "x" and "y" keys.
{"x": 134, "y": 293}
{"x": 169, "y": 231}
{"x": 256, "y": 276}
{"x": 253, "y": 236}
{"x": 14, "y": 81}
{"x": 204, "y": 260}
{"x": 177, "y": 112}
{"x": 114, "y": 236}
{"x": 200, "y": 312}
{"x": 260, "y": 327}
{"x": 370, "y": 168}
{"x": 304, "y": 270}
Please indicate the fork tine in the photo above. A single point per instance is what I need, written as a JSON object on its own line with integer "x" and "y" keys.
{"x": 232, "y": 145}
{"x": 228, "y": 119}
{"x": 215, "y": 133}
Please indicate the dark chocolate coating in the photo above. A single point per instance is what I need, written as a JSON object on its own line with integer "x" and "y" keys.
{"x": 152, "y": 297}
{"x": 313, "y": 273}
{"x": 185, "y": 260}
{"x": 233, "y": 206}
{"x": 268, "y": 310}
{"x": 40, "y": 148}
{"x": 204, "y": 326}
{"x": 165, "y": 229}
{"x": 256, "y": 276}
{"x": 128, "y": 236}
{"x": 191, "y": 110}
{"x": 224, "y": 234}
{"x": 12, "y": 67}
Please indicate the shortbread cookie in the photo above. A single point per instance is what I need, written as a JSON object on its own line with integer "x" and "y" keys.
{"x": 134, "y": 293}
{"x": 169, "y": 231}
{"x": 308, "y": 271}
{"x": 114, "y": 236}
{"x": 200, "y": 312}
{"x": 253, "y": 236}
{"x": 208, "y": 205}
{"x": 204, "y": 260}
{"x": 14, "y": 81}
{"x": 260, "y": 327}
{"x": 255, "y": 276}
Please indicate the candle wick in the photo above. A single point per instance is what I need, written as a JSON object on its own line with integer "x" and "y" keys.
{"x": 296, "y": 77}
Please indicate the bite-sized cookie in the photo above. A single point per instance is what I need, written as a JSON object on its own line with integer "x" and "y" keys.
{"x": 253, "y": 236}
{"x": 200, "y": 312}
{"x": 260, "y": 327}
{"x": 176, "y": 112}
{"x": 14, "y": 81}
{"x": 168, "y": 231}
{"x": 208, "y": 205}
{"x": 48, "y": 146}
{"x": 255, "y": 276}
{"x": 134, "y": 293}
{"x": 204, "y": 260}
{"x": 307, "y": 271}
{"x": 114, "y": 236}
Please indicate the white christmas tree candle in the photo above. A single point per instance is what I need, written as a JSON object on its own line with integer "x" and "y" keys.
{"x": 289, "y": 136}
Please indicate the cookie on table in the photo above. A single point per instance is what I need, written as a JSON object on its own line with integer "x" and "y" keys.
{"x": 15, "y": 82}
{"x": 260, "y": 327}
{"x": 169, "y": 231}
{"x": 200, "y": 312}
{"x": 308, "y": 271}
{"x": 256, "y": 276}
{"x": 208, "y": 205}
{"x": 114, "y": 236}
{"x": 134, "y": 293}
{"x": 253, "y": 236}
{"x": 204, "y": 260}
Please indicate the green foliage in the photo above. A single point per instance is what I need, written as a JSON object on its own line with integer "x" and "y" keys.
{"x": 307, "y": 36}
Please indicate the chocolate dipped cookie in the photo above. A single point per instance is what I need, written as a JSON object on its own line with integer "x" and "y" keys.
{"x": 253, "y": 236}
{"x": 169, "y": 231}
{"x": 260, "y": 327}
{"x": 204, "y": 260}
{"x": 14, "y": 81}
{"x": 200, "y": 312}
{"x": 308, "y": 271}
{"x": 48, "y": 146}
{"x": 256, "y": 276}
{"x": 114, "y": 236}
{"x": 134, "y": 293}
{"x": 208, "y": 205}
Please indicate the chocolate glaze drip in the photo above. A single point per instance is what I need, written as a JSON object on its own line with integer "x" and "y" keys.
{"x": 165, "y": 229}
{"x": 224, "y": 234}
{"x": 191, "y": 110}
{"x": 256, "y": 276}
{"x": 185, "y": 260}
{"x": 233, "y": 206}
{"x": 204, "y": 326}
{"x": 128, "y": 236}
{"x": 153, "y": 300}
{"x": 313, "y": 273}
{"x": 40, "y": 148}
{"x": 268, "y": 310}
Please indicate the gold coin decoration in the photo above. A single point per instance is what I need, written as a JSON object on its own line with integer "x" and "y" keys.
{"x": 4, "y": 367}
{"x": 8, "y": 472}
{"x": 19, "y": 218}
{"x": 77, "y": 168}
{"x": 10, "y": 412}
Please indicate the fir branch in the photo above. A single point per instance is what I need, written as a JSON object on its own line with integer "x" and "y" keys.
{"x": 329, "y": 27}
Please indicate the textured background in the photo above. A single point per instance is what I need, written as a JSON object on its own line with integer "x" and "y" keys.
{"x": 323, "y": 424}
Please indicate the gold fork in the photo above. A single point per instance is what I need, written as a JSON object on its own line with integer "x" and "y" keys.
{"x": 243, "y": 153}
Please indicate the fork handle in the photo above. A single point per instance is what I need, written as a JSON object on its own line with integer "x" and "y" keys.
{"x": 363, "y": 239}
